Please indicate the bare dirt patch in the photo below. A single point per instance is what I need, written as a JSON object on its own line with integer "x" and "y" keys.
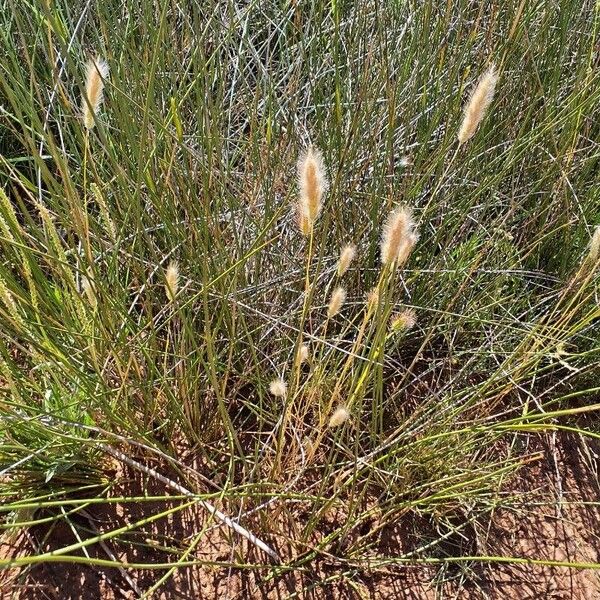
{"x": 553, "y": 516}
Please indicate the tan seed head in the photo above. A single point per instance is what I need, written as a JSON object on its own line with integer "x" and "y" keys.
{"x": 339, "y": 416}
{"x": 338, "y": 297}
{"x": 479, "y": 102}
{"x": 312, "y": 184}
{"x": 88, "y": 289}
{"x": 278, "y": 387}
{"x": 373, "y": 298}
{"x": 96, "y": 75}
{"x": 303, "y": 354}
{"x": 347, "y": 255}
{"x": 399, "y": 237}
{"x": 172, "y": 280}
{"x": 404, "y": 320}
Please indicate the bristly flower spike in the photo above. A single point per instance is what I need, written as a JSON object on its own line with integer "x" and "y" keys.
{"x": 312, "y": 185}
{"x": 339, "y": 416}
{"x": 303, "y": 354}
{"x": 172, "y": 280}
{"x": 478, "y": 104}
{"x": 347, "y": 255}
{"x": 96, "y": 75}
{"x": 399, "y": 237}
{"x": 404, "y": 320}
{"x": 278, "y": 388}
{"x": 338, "y": 297}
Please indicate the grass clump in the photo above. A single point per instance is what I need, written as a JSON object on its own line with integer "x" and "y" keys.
{"x": 175, "y": 308}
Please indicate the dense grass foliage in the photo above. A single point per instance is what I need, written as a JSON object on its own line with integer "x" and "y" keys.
{"x": 193, "y": 159}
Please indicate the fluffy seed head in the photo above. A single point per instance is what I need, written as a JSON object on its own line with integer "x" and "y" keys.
{"x": 347, "y": 255}
{"x": 338, "y": 297}
{"x": 594, "y": 254}
{"x": 88, "y": 289}
{"x": 303, "y": 354}
{"x": 399, "y": 237}
{"x": 278, "y": 388}
{"x": 373, "y": 298}
{"x": 479, "y": 102}
{"x": 312, "y": 184}
{"x": 339, "y": 416}
{"x": 172, "y": 280}
{"x": 96, "y": 74}
{"x": 404, "y": 320}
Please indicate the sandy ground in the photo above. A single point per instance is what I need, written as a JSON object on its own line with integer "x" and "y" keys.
{"x": 553, "y": 518}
